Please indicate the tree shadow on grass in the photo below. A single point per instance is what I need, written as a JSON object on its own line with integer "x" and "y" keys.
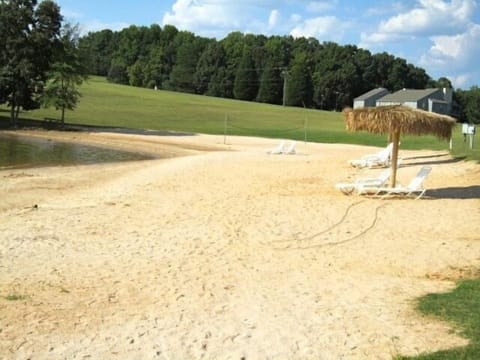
{"x": 469, "y": 352}
{"x": 55, "y": 124}
{"x": 461, "y": 307}
{"x": 461, "y": 193}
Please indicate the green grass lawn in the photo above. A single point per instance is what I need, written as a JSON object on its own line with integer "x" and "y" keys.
{"x": 106, "y": 104}
{"x": 461, "y": 307}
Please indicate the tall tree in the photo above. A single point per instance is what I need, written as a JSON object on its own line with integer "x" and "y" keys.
{"x": 157, "y": 69}
{"x": 189, "y": 51}
{"x": 66, "y": 74}
{"x": 209, "y": 64}
{"x": 118, "y": 72}
{"x": 335, "y": 76}
{"x": 29, "y": 35}
{"x": 99, "y": 47}
{"x": 246, "y": 80}
{"x": 442, "y": 82}
{"x": 299, "y": 87}
{"x": 417, "y": 78}
{"x": 233, "y": 46}
{"x": 278, "y": 52}
{"x": 469, "y": 101}
{"x": 271, "y": 85}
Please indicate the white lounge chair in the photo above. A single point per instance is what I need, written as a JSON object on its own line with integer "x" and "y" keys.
{"x": 415, "y": 186}
{"x": 290, "y": 150}
{"x": 379, "y": 159}
{"x": 366, "y": 185}
{"x": 279, "y": 149}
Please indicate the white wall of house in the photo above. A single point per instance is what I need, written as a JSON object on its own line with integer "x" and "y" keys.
{"x": 387, "y": 103}
{"x": 357, "y": 104}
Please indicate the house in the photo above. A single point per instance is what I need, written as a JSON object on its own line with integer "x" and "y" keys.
{"x": 370, "y": 98}
{"x": 433, "y": 100}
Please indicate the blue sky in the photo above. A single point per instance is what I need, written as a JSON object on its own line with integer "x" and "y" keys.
{"x": 441, "y": 36}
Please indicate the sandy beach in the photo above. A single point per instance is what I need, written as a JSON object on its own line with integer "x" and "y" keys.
{"x": 222, "y": 251}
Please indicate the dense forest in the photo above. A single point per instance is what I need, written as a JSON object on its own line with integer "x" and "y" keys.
{"x": 276, "y": 69}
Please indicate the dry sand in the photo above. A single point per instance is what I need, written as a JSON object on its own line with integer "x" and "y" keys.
{"x": 228, "y": 254}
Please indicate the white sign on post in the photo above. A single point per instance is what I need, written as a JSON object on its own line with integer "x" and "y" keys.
{"x": 468, "y": 129}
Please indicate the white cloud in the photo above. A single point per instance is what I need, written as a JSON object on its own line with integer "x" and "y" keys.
{"x": 463, "y": 49}
{"x": 91, "y": 25}
{"x": 219, "y": 17}
{"x": 70, "y": 14}
{"x": 320, "y": 6}
{"x": 295, "y": 18}
{"x": 96, "y": 25}
{"x": 454, "y": 53}
{"x": 431, "y": 17}
{"x": 367, "y": 39}
{"x": 274, "y": 18}
{"x": 445, "y": 29}
{"x": 395, "y": 7}
{"x": 462, "y": 80}
{"x": 194, "y": 15}
{"x": 320, "y": 27}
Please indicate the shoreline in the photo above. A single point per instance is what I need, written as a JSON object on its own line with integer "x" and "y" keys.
{"x": 226, "y": 251}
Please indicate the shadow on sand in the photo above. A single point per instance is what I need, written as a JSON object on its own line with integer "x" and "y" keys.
{"x": 426, "y": 156}
{"x": 462, "y": 193}
{"x": 434, "y": 159}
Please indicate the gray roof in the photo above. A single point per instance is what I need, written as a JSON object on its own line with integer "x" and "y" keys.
{"x": 408, "y": 95}
{"x": 371, "y": 93}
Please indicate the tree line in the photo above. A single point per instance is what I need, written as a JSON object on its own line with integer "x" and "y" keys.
{"x": 40, "y": 63}
{"x": 275, "y": 69}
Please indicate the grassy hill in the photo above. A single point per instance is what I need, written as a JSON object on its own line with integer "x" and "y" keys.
{"x": 106, "y": 104}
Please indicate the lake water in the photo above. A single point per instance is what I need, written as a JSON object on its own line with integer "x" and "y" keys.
{"x": 19, "y": 152}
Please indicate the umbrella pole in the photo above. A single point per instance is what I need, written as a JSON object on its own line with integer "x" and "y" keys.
{"x": 394, "y": 162}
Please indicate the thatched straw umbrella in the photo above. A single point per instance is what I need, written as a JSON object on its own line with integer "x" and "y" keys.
{"x": 396, "y": 120}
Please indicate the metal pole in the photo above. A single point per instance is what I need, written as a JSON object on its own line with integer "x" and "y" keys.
{"x": 285, "y": 75}
{"x": 225, "y": 129}
{"x": 306, "y": 124}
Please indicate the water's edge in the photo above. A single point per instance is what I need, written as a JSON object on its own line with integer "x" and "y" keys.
{"x": 20, "y": 151}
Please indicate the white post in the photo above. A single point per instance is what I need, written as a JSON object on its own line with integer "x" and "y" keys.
{"x": 451, "y": 143}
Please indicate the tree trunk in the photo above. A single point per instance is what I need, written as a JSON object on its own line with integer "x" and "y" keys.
{"x": 12, "y": 110}
{"x": 63, "y": 117}
{"x": 12, "y": 115}
{"x": 17, "y": 112}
